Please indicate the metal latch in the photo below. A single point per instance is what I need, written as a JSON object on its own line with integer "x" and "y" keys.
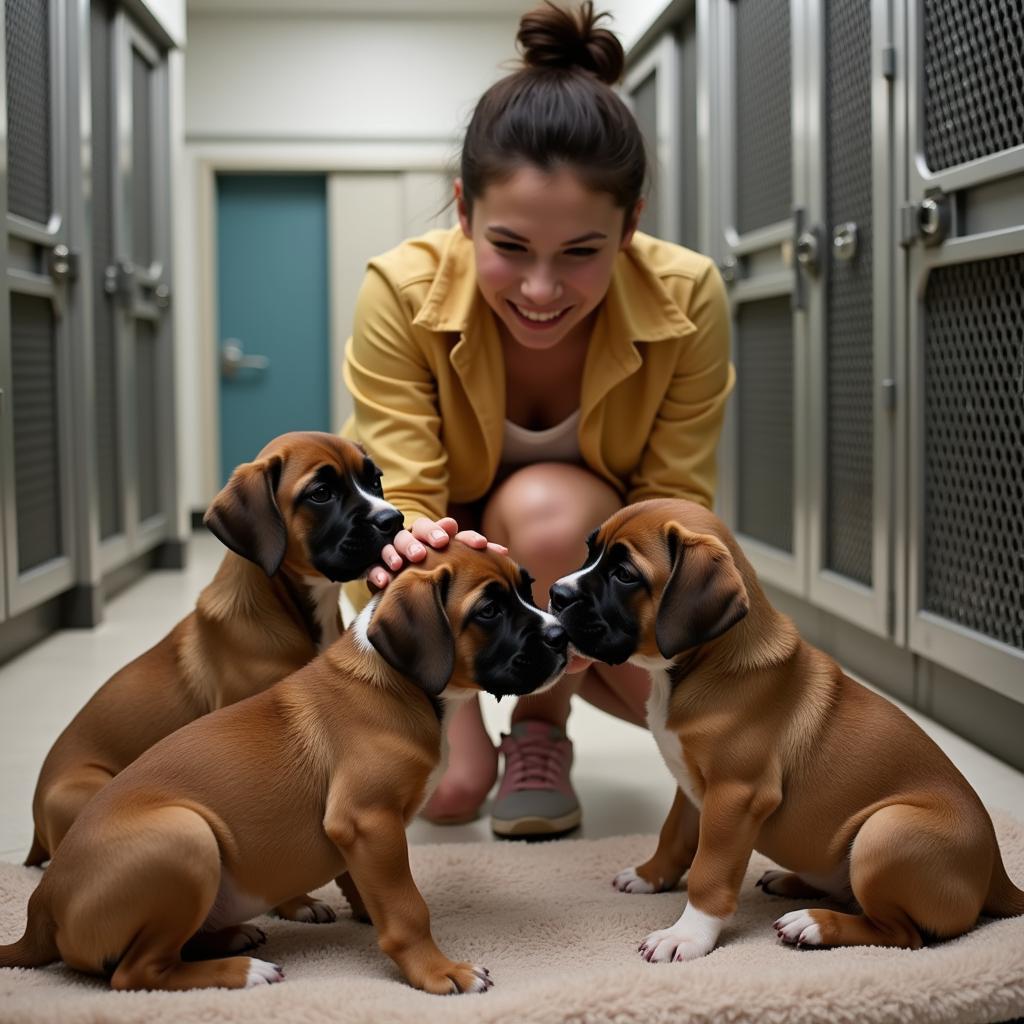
{"x": 62, "y": 263}
{"x": 119, "y": 280}
{"x": 929, "y": 220}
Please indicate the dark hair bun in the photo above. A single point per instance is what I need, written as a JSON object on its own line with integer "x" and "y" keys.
{"x": 553, "y": 37}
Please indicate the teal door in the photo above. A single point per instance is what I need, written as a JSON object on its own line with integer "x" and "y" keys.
{"x": 272, "y": 310}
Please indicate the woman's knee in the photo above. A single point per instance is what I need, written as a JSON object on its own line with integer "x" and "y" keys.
{"x": 544, "y": 512}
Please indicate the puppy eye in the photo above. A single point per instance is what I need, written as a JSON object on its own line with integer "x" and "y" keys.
{"x": 321, "y": 494}
{"x": 488, "y": 611}
{"x": 625, "y": 573}
{"x": 377, "y": 486}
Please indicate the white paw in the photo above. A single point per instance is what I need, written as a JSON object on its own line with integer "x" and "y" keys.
{"x": 262, "y": 973}
{"x": 482, "y": 982}
{"x": 798, "y": 928}
{"x": 628, "y": 880}
{"x": 675, "y": 944}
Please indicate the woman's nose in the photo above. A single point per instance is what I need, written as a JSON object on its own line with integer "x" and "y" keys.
{"x": 540, "y": 288}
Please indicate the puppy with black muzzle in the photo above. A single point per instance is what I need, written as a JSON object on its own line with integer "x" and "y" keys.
{"x": 773, "y": 748}
{"x": 314, "y": 778}
{"x": 301, "y": 519}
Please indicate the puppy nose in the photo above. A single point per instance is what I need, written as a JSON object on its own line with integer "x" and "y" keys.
{"x": 562, "y": 595}
{"x": 555, "y": 637}
{"x": 387, "y": 521}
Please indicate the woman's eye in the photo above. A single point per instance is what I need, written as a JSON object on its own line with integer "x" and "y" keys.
{"x": 580, "y": 251}
{"x": 509, "y": 246}
{"x": 625, "y": 574}
{"x": 320, "y": 494}
{"x": 488, "y": 611}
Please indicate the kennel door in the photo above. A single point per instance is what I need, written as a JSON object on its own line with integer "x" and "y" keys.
{"x": 35, "y": 431}
{"x": 851, "y": 386}
{"x": 755, "y": 99}
{"x": 963, "y": 230}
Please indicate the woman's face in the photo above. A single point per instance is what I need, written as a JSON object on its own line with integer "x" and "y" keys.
{"x": 545, "y": 248}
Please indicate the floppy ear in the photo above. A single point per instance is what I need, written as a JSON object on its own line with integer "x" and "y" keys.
{"x": 411, "y": 631}
{"x": 244, "y": 516}
{"x": 704, "y": 595}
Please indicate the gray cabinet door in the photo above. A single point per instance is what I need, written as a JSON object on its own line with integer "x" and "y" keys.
{"x": 963, "y": 229}
{"x": 753, "y": 104}
{"x": 35, "y": 432}
{"x": 133, "y": 368}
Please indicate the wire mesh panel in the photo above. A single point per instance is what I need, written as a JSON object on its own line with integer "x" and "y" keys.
{"x": 764, "y": 404}
{"x": 36, "y": 431}
{"x": 147, "y": 420}
{"x": 27, "y": 47}
{"x": 973, "y": 79}
{"x": 973, "y": 542}
{"x": 764, "y": 155}
{"x": 143, "y": 200}
{"x": 108, "y": 455}
{"x": 849, "y": 341}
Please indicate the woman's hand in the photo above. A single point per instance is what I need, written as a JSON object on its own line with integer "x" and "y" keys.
{"x": 411, "y": 546}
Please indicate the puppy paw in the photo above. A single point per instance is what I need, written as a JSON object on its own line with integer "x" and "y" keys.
{"x": 798, "y": 928}
{"x": 262, "y": 973}
{"x": 307, "y": 909}
{"x": 245, "y": 937}
{"x": 628, "y": 880}
{"x": 675, "y": 944}
{"x": 454, "y": 979}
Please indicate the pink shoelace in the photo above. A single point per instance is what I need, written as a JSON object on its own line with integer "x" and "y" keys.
{"x": 535, "y": 762}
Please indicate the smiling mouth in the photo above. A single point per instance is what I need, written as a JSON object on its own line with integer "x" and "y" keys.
{"x": 538, "y": 321}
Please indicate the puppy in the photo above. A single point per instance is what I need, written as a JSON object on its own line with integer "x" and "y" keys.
{"x": 305, "y": 516}
{"x": 773, "y": 748}
{"x": 316, "y": 776}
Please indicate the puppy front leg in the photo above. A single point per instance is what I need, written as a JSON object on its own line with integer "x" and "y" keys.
{"x": 376, "y": 853}
{"x": 677, "y": 845}
{"x": 730, "y": 820}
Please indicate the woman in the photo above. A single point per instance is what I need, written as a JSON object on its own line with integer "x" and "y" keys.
{"x": 530, "y": 371}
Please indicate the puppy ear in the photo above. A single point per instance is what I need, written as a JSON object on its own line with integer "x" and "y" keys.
{"x": 704, "y": 595}
{"x": 411, "y": 631}
{"x": 244, "y": 516}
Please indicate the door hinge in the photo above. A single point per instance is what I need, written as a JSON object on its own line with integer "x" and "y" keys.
{"x": 888, "y": 63}
{"x": 889, "y": 394}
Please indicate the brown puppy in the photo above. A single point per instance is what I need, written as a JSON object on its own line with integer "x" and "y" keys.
{"x": 302, "y": 518}
{"x": 773, "y": 748}
{"x": 258, "y": 802}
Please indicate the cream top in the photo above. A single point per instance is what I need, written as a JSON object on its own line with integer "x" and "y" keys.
{"x": 559, "y": 443}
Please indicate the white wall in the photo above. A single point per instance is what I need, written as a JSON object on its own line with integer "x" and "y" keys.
{"x": 339, "y": 77}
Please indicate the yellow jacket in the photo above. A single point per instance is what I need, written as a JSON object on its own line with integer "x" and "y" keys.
{"x": 425, "y": 369}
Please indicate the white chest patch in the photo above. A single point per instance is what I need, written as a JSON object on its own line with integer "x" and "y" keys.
{"x": 668, "y": 741}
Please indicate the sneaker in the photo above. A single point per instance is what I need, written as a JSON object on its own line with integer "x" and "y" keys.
{"x": 536, "y": 797}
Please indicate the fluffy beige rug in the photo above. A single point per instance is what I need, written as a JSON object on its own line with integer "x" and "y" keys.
{"x": 561, "y": 946}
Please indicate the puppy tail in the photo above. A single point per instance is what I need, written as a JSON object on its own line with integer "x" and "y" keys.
{"x": 38, "y": 946}
{"x": 1004, "y": 899}
{"x": 37, "y": 854}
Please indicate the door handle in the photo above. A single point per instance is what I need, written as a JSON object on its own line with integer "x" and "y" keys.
{"x": 233, "y": 359}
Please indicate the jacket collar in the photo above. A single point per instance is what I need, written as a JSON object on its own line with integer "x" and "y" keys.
{"x": 636, "y": 308}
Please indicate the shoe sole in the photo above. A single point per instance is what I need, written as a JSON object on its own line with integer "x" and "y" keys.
{"x": 533, "y": 825}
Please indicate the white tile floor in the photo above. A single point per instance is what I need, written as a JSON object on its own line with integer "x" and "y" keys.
{"x": 621, "y": 781}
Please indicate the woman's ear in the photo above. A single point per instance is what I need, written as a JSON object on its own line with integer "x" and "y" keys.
{"x": 462, "y": 208}
{"x": 632, "y": 220}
